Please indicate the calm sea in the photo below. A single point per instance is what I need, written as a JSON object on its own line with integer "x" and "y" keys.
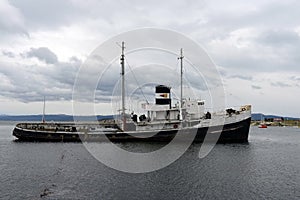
{"x": 266, "y": 168}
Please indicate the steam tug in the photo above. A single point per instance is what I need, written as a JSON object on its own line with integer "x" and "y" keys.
{"x": 161, "y": 121}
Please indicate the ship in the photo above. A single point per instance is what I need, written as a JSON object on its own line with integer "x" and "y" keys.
{"x": 161, "y": 121}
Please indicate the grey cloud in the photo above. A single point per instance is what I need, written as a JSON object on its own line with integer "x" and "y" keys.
{"x": 109, "y": 15}
{"x": 222, "y": 71}
{"x": 195, "y": 17}
{"x": 8, "y": 54}
{"x": 280, "y": 84}
{"x": 275, "y": 48}
{"x": 43, "y": 54}
{"x": 279, "y": 14}
{"x": 29, "y": 83}
{"x": 285, "y": 47}
{"x": 256, "y": 87}
{"x": 243, "y": 77}
{"x": 267, "y": 16}
{"x": 75, "y": 59}
{"x": 227, "y": 73}
{"x": 295, "y": 78}
{"x": 47, "y": 14}
{"x": 260, "y": 56}
{"x": 65, "y": 72}
{"x": 280, "y": 37}
{"x": 11, "y": 19}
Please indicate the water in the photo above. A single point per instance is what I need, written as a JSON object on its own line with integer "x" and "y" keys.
{"x": 266, "y": 168}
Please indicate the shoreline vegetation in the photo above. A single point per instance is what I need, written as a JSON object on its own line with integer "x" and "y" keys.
{"x": 293, "y": 123}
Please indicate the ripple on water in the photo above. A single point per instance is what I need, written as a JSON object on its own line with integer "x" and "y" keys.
{"x": 265, "y": 168}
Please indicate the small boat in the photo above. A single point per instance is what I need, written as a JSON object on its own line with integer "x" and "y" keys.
{"x": 162, "y": 121}
{"x": 262, "y": 126}
{"x": 262, "y": 122}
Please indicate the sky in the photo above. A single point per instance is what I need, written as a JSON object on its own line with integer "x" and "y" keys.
{"x": 254, "y": 44}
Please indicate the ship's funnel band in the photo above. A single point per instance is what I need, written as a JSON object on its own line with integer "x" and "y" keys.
{"x": 162, "y": 95}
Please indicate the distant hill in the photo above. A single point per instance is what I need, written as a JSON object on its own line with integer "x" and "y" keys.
{"x": 259, "y": 116}
{"x": 58, "y": 117}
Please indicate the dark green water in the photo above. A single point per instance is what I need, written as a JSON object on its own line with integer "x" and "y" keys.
{"x": 266, "y": 168}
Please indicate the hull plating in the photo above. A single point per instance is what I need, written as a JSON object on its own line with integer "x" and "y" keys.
{"x": 229, "y": 133}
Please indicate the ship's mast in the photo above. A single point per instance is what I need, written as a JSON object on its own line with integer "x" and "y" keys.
{"x": 181, "y": 74}
{"x": 123, "y": 85}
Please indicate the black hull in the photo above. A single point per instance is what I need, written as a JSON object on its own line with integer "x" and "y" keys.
{"x": 229, "y": 133}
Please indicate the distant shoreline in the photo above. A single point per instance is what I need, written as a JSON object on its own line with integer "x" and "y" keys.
{"x": 68, "y": 118}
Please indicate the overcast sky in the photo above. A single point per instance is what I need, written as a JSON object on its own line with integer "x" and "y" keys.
{"x": 255, "y": 45}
